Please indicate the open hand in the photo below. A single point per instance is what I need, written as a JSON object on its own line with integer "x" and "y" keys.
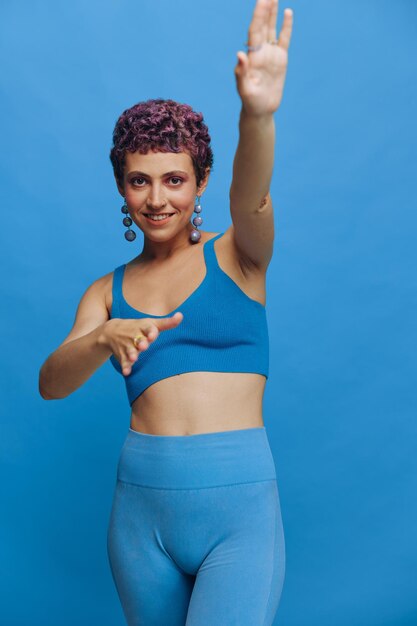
{"x": 260, "y": 74}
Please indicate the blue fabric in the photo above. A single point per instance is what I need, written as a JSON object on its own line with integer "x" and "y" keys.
{"x": 223, "y": 330}
{"x": 195, "y": 535}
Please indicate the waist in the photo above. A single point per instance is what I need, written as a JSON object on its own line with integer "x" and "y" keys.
{"x": 196, "y": 461}
{"x": 200, "y": 402}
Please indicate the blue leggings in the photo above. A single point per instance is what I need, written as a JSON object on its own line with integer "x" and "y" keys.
{"x": 195, "y": 536}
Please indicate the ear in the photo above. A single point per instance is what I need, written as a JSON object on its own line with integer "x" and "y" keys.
{"x": 120, "y": 189}
{"x": 204, "y": 182}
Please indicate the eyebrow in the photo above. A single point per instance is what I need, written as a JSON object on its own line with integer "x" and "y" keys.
{"x": 137, "y": 173}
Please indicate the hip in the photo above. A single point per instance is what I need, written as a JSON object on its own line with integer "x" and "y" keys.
{"x": 196, "y": 461}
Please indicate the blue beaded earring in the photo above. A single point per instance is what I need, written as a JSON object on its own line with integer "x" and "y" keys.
{"x": 130, "y": 235}
{"x": 195, "y": 235}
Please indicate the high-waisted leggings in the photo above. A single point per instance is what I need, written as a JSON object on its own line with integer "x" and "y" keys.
{"x": 195, "y": 536}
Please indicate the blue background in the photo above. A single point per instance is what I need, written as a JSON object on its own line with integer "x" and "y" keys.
{"x": 340, "y": 406}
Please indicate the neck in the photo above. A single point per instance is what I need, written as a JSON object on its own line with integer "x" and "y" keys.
{"x": 160, "y": 251}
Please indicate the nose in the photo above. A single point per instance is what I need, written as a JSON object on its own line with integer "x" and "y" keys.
{"x": 155, "y": 199}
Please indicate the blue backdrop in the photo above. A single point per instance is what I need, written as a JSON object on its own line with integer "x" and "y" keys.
{"x": 340, "y": 406}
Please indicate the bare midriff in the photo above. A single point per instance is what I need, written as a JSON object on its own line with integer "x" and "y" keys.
{"x": 200, "y": 402}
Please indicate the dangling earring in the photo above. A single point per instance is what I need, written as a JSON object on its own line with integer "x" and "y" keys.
{"x": 195, "y": 235}
{"x": 130, "y": 235}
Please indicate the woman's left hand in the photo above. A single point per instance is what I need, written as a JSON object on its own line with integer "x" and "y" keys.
{"x": 260, "y": 74}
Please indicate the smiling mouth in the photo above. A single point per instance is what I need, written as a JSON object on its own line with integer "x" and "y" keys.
{"x": 158, "y": 217}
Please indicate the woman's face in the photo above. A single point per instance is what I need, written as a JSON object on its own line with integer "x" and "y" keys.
{"x": 157, "y": 183}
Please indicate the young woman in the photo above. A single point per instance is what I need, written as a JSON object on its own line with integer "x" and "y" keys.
{"x": 195, "y": 534}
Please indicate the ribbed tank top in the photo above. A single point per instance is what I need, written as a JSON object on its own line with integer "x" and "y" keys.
{"x": 223, "y": 330}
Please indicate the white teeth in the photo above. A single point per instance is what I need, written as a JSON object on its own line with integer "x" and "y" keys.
{"x": 159, "y": 217}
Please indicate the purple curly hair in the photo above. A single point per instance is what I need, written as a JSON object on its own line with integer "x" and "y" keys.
{"x": 162, "y": 126}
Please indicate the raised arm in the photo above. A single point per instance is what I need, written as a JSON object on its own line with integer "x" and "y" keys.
{"x": 260, "y": 77}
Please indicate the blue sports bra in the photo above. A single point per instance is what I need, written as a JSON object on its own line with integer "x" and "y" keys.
{"x": 223, "y": 330}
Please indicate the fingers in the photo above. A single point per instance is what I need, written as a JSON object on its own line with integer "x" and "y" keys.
{"x": 150, "y": 333}
{"x": 258, "y": 29}
{"x": 285, "y": 34}
{"x": 130, "y": 355}
{"x": 132, "y": 351}
{"x": 165, "y": 323}
{"x": 128, "y": 359}
{"x": 272, "y": 21}
{"x": 242, "y": 64}
{"x": 263, "y": 26}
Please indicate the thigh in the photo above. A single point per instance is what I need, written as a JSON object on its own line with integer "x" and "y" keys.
{"x": 152, "y": 590}
{"x": 240, "y": 581}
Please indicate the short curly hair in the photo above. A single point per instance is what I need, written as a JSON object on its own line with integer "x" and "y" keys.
{"x": 162, "y": 126}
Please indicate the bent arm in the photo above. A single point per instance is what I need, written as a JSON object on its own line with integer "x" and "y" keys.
{"x": 82, "y": 352}
{"x": 68, "y": 368}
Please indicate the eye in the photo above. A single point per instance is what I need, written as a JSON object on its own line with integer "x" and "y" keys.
{"x": 138, "y": 178}
{"x": 174, "y": 178}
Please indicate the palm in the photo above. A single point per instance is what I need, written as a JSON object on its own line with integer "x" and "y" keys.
{"x": 260, "y": 74}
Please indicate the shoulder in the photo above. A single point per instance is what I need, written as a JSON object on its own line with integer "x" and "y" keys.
{"x": 91, "y": 310}
{"x": 102, "y": 287}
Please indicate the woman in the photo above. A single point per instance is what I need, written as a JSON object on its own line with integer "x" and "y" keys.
{"x": 195, "y": 534}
